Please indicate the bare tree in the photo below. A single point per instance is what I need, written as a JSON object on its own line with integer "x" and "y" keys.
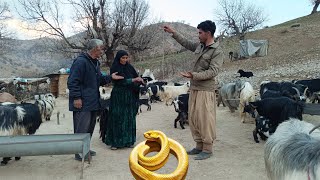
{"x": 115, "y": 23}
{"x": 137, "y": 37}
{"x": 5, "y": 34}
{"x": 140, "y": 41}
{"x": 3, "y": 9}
{"x": 45, "y": 17}
{"x": 239, "y": 18}
{"x": 315, "y": 4}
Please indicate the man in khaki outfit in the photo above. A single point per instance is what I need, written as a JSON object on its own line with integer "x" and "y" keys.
{"x": 202, "y": 106}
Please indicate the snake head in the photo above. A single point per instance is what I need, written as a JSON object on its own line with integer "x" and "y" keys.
{"x": 151, "y": 135}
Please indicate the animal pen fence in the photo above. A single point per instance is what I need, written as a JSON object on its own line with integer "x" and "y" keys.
{"x": 58, "y": 84}
{"x": 25, "y": 88}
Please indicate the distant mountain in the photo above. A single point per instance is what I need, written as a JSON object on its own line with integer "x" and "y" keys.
{"x": 164, "y": 44}
{"x": 34, "y": 58}
{"x": 30, "y": 58}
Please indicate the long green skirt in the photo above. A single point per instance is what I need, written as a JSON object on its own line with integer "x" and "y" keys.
{"x": 121, "y": 124}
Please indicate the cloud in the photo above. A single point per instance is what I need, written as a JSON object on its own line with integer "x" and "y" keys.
{"x": 21, "y": 30}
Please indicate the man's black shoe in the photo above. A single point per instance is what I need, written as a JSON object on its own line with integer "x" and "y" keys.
{"x": 194, "y": 151}
{"x": 203, "y": 155}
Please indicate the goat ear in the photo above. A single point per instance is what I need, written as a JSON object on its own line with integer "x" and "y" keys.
{"x": 242, "y": 86}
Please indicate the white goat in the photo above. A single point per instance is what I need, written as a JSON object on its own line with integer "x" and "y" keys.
{"x": 247, "y": 94}
{"x": 46, "y": 105}
{"x": 171, "y": 92}
{"x": 291, "y": 153}
{"x": 103, "y": 93}
{"x": 148, "y": 73}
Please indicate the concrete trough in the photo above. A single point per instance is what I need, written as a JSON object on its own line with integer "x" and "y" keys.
{"x": 50, "y": 144}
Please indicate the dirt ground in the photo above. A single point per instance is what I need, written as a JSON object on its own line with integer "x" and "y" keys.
{"x": 236, "y": 155}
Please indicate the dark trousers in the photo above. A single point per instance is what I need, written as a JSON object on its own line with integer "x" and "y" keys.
{"x": 84, "y": 122}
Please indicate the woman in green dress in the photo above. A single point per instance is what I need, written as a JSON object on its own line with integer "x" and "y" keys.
{"x": 121, "y": 124}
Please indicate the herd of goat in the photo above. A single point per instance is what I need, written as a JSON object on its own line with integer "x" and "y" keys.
{"x": 291, "y": 152}
{"x": 23, "y": 118}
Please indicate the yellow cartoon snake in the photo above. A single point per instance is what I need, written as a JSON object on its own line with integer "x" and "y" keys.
{"x": 142, "y": 166}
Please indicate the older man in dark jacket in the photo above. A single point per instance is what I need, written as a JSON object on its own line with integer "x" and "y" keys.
{"x": 83, "y": 84}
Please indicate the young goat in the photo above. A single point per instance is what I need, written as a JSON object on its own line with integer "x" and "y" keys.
{"x": 262, "y": 128}
{"x": 244, "y": 73}
{"x": 247, "y": 95}
{"x": 181, "y": 106}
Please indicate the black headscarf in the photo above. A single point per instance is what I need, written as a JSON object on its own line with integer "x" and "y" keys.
{"x": 127, "y": 70}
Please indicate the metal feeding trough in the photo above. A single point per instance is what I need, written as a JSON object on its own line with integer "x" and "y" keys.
{"x": 53, "y": 144}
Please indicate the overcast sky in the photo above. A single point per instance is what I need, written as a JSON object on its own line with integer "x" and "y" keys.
{"x": 192, "y": 12}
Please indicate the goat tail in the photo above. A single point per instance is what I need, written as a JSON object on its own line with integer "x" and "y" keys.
{"x": 292, "y": 153}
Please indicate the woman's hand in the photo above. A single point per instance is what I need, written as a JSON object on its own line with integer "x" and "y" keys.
{"x": 116, "y": 77}
{"x": 138, "y": 80}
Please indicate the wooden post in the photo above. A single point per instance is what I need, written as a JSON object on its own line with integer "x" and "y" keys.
{"x": 58, "y": 114}
{"x": 163, "y": 43}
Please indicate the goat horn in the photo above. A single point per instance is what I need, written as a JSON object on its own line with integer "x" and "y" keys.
{"x": 317, "y": 126}
{"x": 296, "y": 90}
{"x": 305, "y": 91}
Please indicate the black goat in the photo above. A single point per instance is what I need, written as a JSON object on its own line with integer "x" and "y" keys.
{"x": 244, "y": 73}
{"x": 230, "y": 55}
{"x": 144, "y": 102}
{"x": 276, "y": 110}
{"x": 271, "y": 94}
{"x": 103, "y": 117}
{"x": 312, "y": 84}
{"x": 18, "y": 119}
{"x": 262, "y": 128}
{"x": 276, "y": 94}
{"x": 288, "y": 89}
{"x": 315, "y": 98}
{"x": 181, "y": 106}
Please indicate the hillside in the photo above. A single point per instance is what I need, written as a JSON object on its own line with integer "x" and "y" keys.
{"x": 30, "y": 58}
{"x": 33, "y": 58}
{"x": 293, "y": 53}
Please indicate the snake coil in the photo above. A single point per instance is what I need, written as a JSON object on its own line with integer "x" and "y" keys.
{"x": 142, "y": 167}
